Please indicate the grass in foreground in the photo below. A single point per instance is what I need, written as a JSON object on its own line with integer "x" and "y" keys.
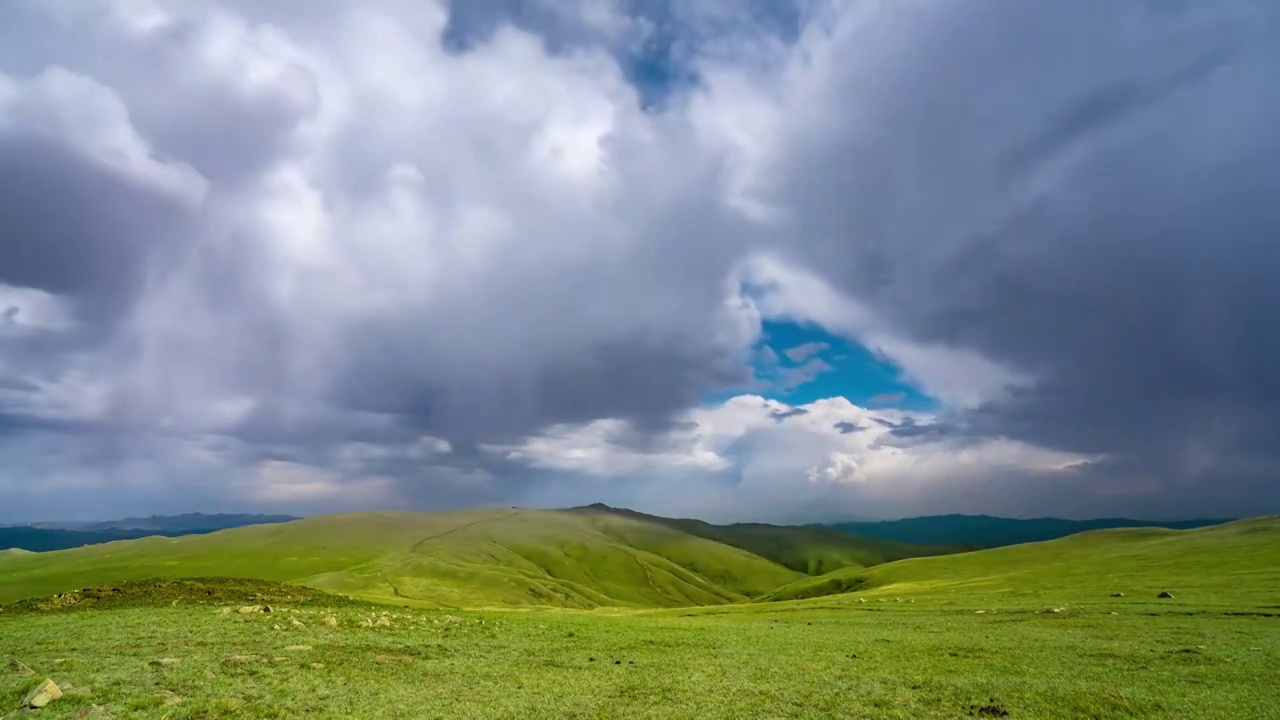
{"x": 892, "y": 660}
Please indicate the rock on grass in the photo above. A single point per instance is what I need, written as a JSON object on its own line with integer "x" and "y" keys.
{"x": 45, "y": 693}
{"x": 17, "y": 667}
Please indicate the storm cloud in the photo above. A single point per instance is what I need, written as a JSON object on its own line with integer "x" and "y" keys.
{"x": 440, "y": 254}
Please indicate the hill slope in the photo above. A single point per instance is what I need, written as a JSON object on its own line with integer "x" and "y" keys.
{"x": 984, "y": 531}
{"x": 483, "y": 557}
{"x": 810, "y": 549}
{"x": 1239, "y": 560}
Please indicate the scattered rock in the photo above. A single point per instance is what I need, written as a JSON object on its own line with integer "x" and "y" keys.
{"x": 296, "y": 622}
{"x": 1117, "y": 594}
{"x": 247, "y": 609}
{"x": 1114, "y": 612}
{"x": 331, "y": 621}
{"x": 1165, "y": 595}
{"x": 166, "y": 662}
{"x": 240, "y": 660}
{"x": 298, "y": 648}
{"x": 366, "y": 623}
{"x": 45, "y": 693}
{"x": 94, "y": 711}
{"x": 980, "y": 612}
{"x": 382, "y": 621}
{"x": 276, "y": 627}
{"x": 862, "y": 600}
{"x": 77, "y": 691}
{"x": 18, "y": 667}
{"x": 267, "y": 609}
{"x": 224, "y": 611}
{"x": 317, "y": 666}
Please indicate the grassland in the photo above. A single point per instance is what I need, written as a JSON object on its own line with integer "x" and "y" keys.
{"x": 1032, "y": 631}
{"x": 584, "y": 558}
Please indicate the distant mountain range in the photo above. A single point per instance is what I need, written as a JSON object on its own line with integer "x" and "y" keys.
{"x": 985, "y": 531}
{"x": 44, "y": 536}
{"x": 938, "y": 533}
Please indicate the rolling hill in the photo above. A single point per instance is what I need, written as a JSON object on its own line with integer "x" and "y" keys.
{"x": 1236, "y": 562}
{"x": 810, "y": 549}
{"x": 985, "y": 531}
{"x": 587, "y": 557}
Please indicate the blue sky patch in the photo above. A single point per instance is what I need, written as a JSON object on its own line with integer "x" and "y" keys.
{"x": 798, "y": 363}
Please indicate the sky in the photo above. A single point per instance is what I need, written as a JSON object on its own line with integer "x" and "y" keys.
{"x": 788, "y": 261}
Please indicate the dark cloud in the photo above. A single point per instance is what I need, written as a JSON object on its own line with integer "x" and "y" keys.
{"x": 1096, "y": 215}
{"x": 338, "y": 278}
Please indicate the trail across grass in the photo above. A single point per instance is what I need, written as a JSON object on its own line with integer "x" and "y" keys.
{"x": 890, "y": 660}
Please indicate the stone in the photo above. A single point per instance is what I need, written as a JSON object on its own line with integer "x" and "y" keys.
{"x": 296, "y": 622}
{"x": 382, "y": 622}
{"x": 224, "y": 611}
{"x": 1165, "y": 595}
{"x": 94, "y": 711}
{"x": 276, "y": 627}
{"x": 170, "y": 697}
{"x": 298, "y": 648}
{"x": 267, "y": 609}
{"x": 166, "y": 662}
{"x": 980, "y": 612}
{"x": 247, "y": 609}
{"x": 45, "y": 693}
{"x": 317, "y": 666}
{"x": 1117, "y": 594}
{"x": 862, "y": 600}
{"x": 18, "y": 667}
{"x": 331, "y": 621}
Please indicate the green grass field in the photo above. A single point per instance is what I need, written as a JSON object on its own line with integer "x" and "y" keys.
{"x": 1029, "y": 631}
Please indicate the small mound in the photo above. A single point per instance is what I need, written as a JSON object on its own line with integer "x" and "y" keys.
{"x": 192, "y": 591}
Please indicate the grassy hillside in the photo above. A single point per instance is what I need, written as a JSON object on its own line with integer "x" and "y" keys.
{"x": 483, "y": 557}
{"x": 811, "y": 549}
{"x": 583, "y": 558}
{"x": 984, "y": 531}
{"x": 1236, "y": 562}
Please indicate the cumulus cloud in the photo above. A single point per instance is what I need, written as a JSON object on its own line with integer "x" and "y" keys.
{"x": 434, "y": 254}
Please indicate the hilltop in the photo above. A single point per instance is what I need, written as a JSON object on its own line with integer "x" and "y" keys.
{"x": 581, "y": 558}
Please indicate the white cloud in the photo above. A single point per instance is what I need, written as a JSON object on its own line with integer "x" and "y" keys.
{"x": 781, "y": 453}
